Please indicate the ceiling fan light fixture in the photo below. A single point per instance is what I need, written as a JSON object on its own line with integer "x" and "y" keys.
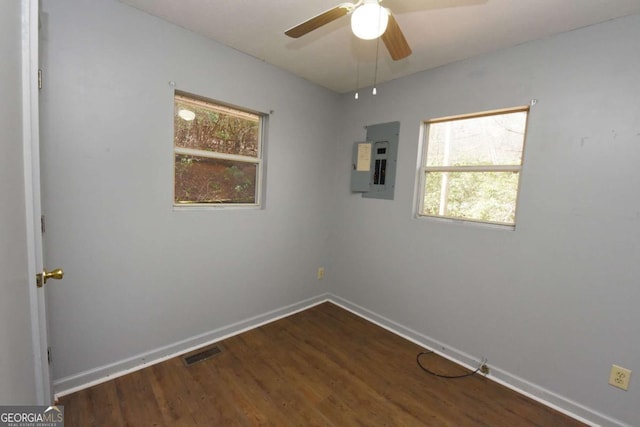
{"x": 185, "y": 114}
{"x": 369, "y": 21}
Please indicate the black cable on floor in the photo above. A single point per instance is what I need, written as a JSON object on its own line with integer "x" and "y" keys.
{"x": 452, "y": 377}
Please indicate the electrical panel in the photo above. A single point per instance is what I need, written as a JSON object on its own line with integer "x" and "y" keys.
{"x": 374, "y": 162}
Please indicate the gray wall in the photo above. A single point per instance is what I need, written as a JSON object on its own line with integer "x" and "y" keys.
{"x": 17, "y": 381}
{"x": 552, "y": 304}
{"x": 555, "y": 301}
{"x": 139, "y": 275}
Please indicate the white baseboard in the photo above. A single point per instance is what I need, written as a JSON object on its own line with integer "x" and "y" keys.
{"x": 89, "y": 378}
{"x": 520, "y": 385}
{"x": 105, "y": 373}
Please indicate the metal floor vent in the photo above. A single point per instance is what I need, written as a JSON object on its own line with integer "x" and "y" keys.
{"x": 201, "y": 355}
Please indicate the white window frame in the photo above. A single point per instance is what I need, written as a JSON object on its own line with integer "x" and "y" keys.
{"x": 258, "y": 160}
{"x": 423, "y": 169}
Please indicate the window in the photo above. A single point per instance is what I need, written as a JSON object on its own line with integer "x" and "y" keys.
{"x": 217, "y": 153}
{"x": 471, "y": 166}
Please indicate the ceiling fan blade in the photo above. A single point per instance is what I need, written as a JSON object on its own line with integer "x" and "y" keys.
{"x": 394, "y": 40}
{"x": 319, "y": 20}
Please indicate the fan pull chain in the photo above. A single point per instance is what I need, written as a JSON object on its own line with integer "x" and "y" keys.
{"x": 357, "y": 78}
{"x": 375, "y": 72}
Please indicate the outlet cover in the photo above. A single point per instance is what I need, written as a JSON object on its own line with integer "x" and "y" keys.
{"x": 620, "y": 377}
{"x": 320, "y": 273}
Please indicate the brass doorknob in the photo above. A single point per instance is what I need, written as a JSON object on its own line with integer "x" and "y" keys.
{"x": 41, "y": 278}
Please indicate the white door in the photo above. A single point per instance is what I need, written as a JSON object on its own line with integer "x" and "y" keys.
{"x": 31, "y": 141}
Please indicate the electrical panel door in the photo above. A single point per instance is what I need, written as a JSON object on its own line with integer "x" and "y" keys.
{"x": 374, "y": 162}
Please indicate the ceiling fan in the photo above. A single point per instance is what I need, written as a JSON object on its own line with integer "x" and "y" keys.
{"x": 369, "y": 21}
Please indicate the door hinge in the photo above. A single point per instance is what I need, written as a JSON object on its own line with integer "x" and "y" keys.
{"x": 39, "y": 79}
{"x": 49, "y": 355}
{"x": 42, "y": 223}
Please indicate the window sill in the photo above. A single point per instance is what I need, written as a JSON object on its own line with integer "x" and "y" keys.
{"x": 466, "y": 222}
{"x": 199, "y": 207}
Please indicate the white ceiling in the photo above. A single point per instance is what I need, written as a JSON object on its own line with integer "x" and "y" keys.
{"x": 438, "y": 31}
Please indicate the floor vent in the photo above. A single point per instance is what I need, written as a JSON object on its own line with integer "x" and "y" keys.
{"x": 201, "y": 355}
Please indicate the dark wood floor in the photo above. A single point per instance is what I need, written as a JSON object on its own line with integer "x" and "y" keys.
{"x": 321, "y": 367}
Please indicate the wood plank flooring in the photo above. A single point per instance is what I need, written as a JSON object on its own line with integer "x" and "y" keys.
{"x": 321, "y": 367}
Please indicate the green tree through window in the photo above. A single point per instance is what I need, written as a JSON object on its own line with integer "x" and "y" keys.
{"x": 471, "y": 166}
{"x": 217, "y": 153}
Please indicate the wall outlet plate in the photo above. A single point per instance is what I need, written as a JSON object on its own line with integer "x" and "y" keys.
{"x": 620, "y": 377}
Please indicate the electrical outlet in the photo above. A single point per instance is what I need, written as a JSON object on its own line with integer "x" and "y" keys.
{"x": 619, "y": 377}
{"x": 320, "y": 273}
{"x": 484, "y": 369}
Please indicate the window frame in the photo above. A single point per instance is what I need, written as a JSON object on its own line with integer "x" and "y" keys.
{"x": 259, "y": 160}
{"x": 423, "y": 169}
